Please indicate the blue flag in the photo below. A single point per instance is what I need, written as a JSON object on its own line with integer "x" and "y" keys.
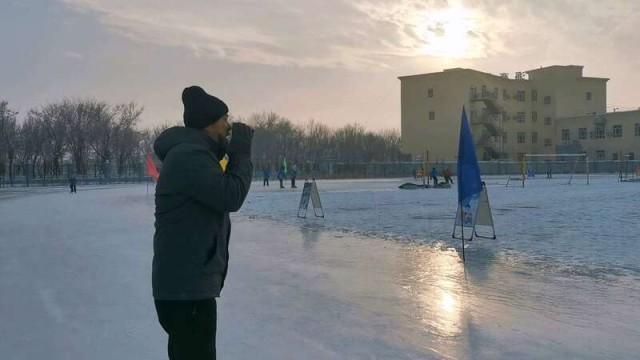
{"x": 469, "y": 183}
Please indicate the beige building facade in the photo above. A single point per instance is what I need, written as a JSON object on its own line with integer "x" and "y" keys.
{"x": 510, "y": 117}
{"x": 610, "y": 136}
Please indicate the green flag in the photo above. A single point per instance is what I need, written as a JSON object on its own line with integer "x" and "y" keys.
{"x": 284, "y": 165}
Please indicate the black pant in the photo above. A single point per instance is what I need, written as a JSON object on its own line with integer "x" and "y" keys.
{"x": 191, "y": 326}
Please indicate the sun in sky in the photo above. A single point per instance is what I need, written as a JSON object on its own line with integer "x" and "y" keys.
{"x": 450, "y": 33}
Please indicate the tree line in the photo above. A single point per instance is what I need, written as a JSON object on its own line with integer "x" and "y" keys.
{"x": 277, "y": 138}
{"x": 87, "y": 137}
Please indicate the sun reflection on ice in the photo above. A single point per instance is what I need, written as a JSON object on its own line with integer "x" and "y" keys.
{"x": 438, "y": 288}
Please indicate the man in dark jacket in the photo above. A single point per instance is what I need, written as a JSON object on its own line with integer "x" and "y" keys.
{"x": 193, "y": 200}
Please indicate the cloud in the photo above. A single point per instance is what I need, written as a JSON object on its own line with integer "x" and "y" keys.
{"x": 360, "y": 34}
{"x": 366, "y": 34}
{"x": 73, "y": 55}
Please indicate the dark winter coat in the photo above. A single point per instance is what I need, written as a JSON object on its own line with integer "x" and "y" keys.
{"x": 193, "y": 200}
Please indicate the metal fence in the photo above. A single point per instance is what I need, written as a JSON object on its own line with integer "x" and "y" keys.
{"x": 339, "y": 170}
{"x": 23, "y": 181}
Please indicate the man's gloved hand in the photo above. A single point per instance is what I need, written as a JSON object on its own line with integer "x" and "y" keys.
{"x": 241, "y": 137}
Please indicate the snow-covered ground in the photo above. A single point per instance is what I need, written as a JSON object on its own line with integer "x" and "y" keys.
{"x": 378, "y": 278}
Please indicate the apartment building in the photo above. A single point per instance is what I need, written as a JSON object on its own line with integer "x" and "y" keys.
{"x": 538, "y": 111}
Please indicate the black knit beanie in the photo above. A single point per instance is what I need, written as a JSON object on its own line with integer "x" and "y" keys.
{"x": 200, "y": 108}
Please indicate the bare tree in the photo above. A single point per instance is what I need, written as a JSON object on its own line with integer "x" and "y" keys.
{"x": 317, "y": 141}
{"x": 55, "y": 133}
{"x": 8, "y": 139}
{"x": 30, "y": 144}
{"x": 100, "y": 132}
{"x": 126, "y": 140}
{"x": 75, "y": 115}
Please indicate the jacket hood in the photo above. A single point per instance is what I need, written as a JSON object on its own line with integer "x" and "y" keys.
{"x": 175, "y": 136}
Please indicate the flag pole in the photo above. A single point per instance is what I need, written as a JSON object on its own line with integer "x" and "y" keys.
{"x": 460, "y": 202}
{"x": 461, "y": 214}
{"x": 462, "y": 229}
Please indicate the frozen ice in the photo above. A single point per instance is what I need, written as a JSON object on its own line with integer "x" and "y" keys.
{"x": 378, "y": 278}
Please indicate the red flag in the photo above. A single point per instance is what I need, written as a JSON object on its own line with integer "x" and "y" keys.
{"x": 151, "y": 168}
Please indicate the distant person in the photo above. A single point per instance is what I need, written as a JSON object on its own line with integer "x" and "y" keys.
{"x": 549, "y": 174}
{"x": 434, "y": 176}
{"x": 72, "y": 184}
{"x": 266, "y": 174}
{"x": 293, "y": 173}
{"x": 281, "y": 177}
{"x": 447, "y": 176}
{"x": 193, "y": 200}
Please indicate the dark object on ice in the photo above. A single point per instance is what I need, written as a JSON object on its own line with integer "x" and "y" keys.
{"x": 434, "y": 175}
{"x": 412, "y": 186}
{"x": 281, "y": 176}
{"x": 72, "y": 184}
{"x": 293, "y": 173}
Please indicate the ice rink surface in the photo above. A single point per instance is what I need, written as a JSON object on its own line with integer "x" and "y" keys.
{"x": 378, "y": 278}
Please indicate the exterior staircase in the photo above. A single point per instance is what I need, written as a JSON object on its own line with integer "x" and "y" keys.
{"x": 487, "y": 124}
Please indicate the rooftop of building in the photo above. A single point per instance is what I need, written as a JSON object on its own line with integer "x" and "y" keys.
{"x": 534, "y": 71}
{"x": 556, "y": 67}
{"x": 628, "y": 114}
{"x": 454, "y": 70}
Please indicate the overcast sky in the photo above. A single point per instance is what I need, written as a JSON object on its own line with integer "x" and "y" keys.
{"x": 336, "y": 61}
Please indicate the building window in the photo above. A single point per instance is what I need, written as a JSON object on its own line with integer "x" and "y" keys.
{"x": 534, "y": 137}
{"x": 614, "y": 156}
{"x": 547, "y": 142}
{"x": 432, "y": 115}
{"x": 582, "y": 133}
{"x": 534, "y": 116}
{"x": 520, "y": 95}
{"x": 473, "y": 115}
{"x": 599, "y": 133}
{"x": 547, "y": 120}
{"x": 617, "y": 130}
{"x": 520, "y": 117}
{"x": 600, "y": 155}
{"x": 504, "y": 138}
{"x": 505, "y": 95}
{"x": 521, "y": 137}
{"x": 637, "y": 129}
{"x": 566, "y": 135}
{"x": 430, "y": 93}
{"x": 632, "y": 156}
{"x": 588, "y": 95}
{"x": 474, "y": 92}
{"x": 547, "y": 100}
{"x": 534, "y": 95}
